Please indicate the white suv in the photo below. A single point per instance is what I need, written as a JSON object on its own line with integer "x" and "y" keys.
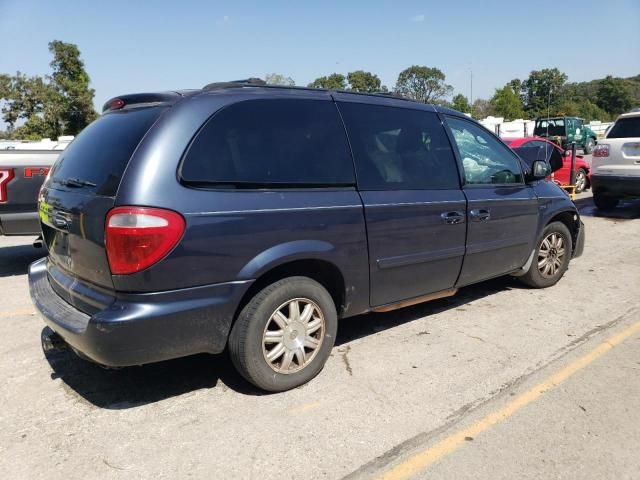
{"x": 616, "y": 163}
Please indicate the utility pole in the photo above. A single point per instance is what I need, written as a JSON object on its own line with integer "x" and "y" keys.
{"x": 471, "y": 70}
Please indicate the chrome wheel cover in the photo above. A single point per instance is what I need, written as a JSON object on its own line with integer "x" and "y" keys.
{"x": 551, "y": 254}
{"x": 293, "y": 335}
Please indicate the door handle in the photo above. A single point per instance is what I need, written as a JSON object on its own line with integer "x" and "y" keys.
{"x": 452, "y": 218}
{"x": 480, "y": 215}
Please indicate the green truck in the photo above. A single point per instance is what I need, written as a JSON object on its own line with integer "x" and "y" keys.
{"x": 566, "y": 130}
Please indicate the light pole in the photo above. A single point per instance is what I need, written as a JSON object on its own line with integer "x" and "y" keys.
{"x": 471, "y": 96}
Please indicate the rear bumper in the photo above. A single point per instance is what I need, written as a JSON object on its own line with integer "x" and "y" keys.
{"x": 141, "y": 328}
{"x": 24, "y": 223}
{"x": 615, "y": 185}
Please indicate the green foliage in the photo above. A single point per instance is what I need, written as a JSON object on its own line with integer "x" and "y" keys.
{"x": 543, "y": 90}
{"x": 361, "y": 81}
{"x": 358, "y": 81}
{"x": 461, "y": 104}
{"x": 614, "y": 95}
{"x": 423, "y": 84}
{"x": 335, "y": 81}
{"x": 5, "y": 85}
{"x": 59, "y": 104}
{"x": 601, "y": 99}
{"x": 279, "y": 79}
{"x": 507, "y": 103}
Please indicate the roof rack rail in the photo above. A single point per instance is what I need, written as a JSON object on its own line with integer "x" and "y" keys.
{"x": 257, "y": 82}
{"x": 395, "y": 95}
{"x": 253, "y": 82}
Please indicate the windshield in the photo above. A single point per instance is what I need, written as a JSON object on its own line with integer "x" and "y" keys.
{"x": 625, "y": 128}
{"x": 97, "y": 158}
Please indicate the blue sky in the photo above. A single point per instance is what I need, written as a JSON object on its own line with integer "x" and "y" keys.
{"x": 131, "y": 46}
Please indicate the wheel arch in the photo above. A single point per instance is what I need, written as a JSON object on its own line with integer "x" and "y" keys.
{"x": 322, "y": 271}
{"x": 571, "y": 220}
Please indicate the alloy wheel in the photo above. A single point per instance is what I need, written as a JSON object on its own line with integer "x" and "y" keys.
{"x": 293, "y": 335}
{"x": 581, "y": 181}
{"x": 551, "y": 254}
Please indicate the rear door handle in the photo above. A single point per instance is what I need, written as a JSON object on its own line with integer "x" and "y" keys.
{"x": 480, "y": 215}
{"x": 452, "y": 218}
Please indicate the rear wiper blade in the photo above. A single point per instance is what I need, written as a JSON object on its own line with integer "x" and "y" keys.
{"x": 77, "y": 182}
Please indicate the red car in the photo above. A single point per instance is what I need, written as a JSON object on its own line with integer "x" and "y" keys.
{"x": 583, "y": 175}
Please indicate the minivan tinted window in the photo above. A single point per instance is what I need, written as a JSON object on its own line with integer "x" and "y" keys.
{"x": 625, "y": 128}
{"x": 399, "y": 149}
{"x": 277, "y": 143}
{"x": 97, "y": 158}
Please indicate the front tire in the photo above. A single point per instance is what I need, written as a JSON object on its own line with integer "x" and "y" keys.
{"x": 605, "y": 202}
{"x": 284, "y": 335}
{"x": 581, "y": 180}
{"x": 551, "y": 258}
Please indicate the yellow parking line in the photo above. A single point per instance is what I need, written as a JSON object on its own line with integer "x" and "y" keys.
{"x": 423, "y": 459}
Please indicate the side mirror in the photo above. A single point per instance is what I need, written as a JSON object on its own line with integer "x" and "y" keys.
{"x": 539, "y": 170}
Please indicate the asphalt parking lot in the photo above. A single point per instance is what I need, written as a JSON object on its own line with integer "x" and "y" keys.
{"x": 499, "y": 381}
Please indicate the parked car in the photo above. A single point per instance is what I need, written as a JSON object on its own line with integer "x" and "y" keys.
{"x": 566, "y": 130}
{"x": 21, "y": 175}
{"x": 616, "y": 163}
{"x": 563, "y": 174}
{"x": 252, "y": 218}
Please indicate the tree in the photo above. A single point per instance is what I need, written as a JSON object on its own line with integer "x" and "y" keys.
{"x": 335, "y": 81}
{"x": 361, "y": 81}
{"x": 423, "y": 84}
{"x": 482, "y": 109}
{"x": 461, "y": 103}
{"x": 71, "y": 81}
{"x": 61, "y": 103}
{"x": 506, "y": 103}
{"x": 614, "y": 96}
{"x": 590, "y": 111}
{"x": 26, "y": 98}
{"x": 5, "y": 85}
{"x": 543, "y": 91}
{"x": 279, "y": 79}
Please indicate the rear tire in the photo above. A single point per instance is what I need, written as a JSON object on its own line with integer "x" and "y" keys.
{"x": 588, "y": 147}
{"x": 551, "y": 258}
{"x": 284, "y": 335}
{"x": 605, "y": 202}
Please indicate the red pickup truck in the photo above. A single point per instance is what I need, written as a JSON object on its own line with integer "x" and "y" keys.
{"x": 21, "y": 175}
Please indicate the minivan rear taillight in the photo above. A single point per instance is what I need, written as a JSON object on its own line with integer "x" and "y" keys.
{"x": 138, "y": 237}
{"x": 601, "y": 150}
{"x": 6, "y": 175}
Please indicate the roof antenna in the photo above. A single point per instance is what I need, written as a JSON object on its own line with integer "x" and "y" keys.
{"x": 546, "y": 144}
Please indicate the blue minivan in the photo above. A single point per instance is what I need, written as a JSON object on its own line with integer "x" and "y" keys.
{"x": 251, "y": 218}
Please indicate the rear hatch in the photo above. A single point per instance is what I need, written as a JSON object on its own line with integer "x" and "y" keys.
{"x": 81, "y": 189}
{"x": 619, "y": 153}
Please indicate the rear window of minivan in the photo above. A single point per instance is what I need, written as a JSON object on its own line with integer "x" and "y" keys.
{"x": 271, "y": 143}
{"x": 97, "y": 158}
